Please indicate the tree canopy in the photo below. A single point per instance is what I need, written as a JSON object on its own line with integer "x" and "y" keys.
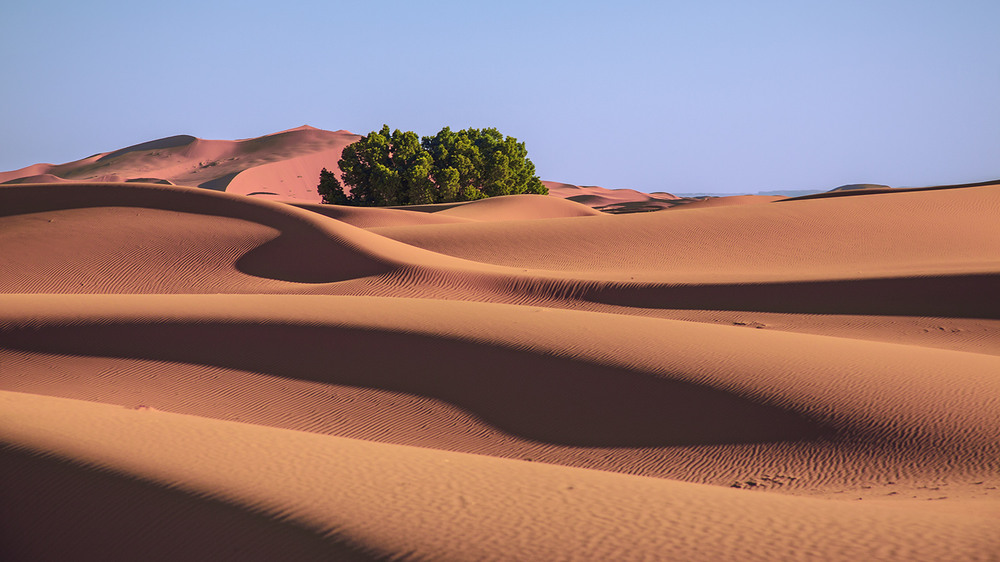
{"x": 397, "y": 168}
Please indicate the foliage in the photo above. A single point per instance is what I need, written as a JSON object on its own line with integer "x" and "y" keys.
{"x": 397, "y": 168}
{"x": 331, "y": 190}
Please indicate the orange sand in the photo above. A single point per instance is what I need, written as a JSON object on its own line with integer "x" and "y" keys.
{"x": 283, "y": 165}
{"x": 192, "y": 374}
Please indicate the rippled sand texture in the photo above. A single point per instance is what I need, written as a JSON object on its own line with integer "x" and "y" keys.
{"x": 188, "y": 373}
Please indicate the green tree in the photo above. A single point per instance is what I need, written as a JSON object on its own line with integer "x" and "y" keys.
{"x": 386, "y": 168}
{"x": 473, "y": 163}
{"x": 398, "y": 168}
{"x": 330, "y": 189}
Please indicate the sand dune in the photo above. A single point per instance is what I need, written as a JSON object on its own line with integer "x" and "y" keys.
{"x": 347, "y": 493}
{"x": 612, "y": 200}
{"x": 231, "y": 377}
{"x": 33, "y": 171}
{"x": 727, "y": 201}
{"x": 518, "y": 207}
{"x": 283, "y": 165}
{"x": 40, "y": 178}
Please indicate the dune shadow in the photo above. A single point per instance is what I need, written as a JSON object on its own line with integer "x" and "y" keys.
{"x": 534, "y": 395}
{"x": 158, "y": 144}
{"x": 220, "y": 183}
{"x": 158, "y": 181}
{"x": 954, "y": 296}
{"x": 300, "y": 259}
{"x": 55, "y": 509}
{"x": 633, "y": 207}
{"x": 302, "y": 252}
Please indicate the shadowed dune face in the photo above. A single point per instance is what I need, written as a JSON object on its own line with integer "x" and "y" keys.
{"x": 953, "y": 296}
{"x": 159, "y": 144}
{"x": 111, "y": 516}
{"x": 644, "y": 396}
{"x": 198, "y": 374}
{"x": 534, "y": 396}
{"x": 220, "y": 183}
{"x": 52, "y": 232}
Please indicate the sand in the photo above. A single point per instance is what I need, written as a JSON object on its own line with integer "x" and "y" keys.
{"x": 194, "y": 374}
{"x": 282, "y": 165}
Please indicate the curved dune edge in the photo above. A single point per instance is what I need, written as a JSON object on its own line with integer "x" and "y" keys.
{"x": 40, "y": 178}
{"x": 836, "y": 412}
{"x": 519, "y": 207}
{"x": 505, "y": 208}
{"x": 506, "y": 250}
{"x": 376, "y": 217}
{"x": 337, "y": 250}
{"x": 395, "y": 501}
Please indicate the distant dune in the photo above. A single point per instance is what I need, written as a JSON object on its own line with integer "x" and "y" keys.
{"x": 285, "y": 164}
{"x": 189, "y": 373}
{"x": 37, "y": 178}
{"x": 612, "y": 200}
{"x": 729, "y": 200}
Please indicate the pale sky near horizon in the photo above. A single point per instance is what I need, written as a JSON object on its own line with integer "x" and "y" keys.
{"x": 717, "y": 96}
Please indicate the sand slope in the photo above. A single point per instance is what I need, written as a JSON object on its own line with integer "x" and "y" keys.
{"x": 283, "y": 165}
{"x": 792, "y": 379}
{"x": 612, "y": 200}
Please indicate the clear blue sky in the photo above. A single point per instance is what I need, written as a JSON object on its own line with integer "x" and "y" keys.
{"x": 722, "y": 96}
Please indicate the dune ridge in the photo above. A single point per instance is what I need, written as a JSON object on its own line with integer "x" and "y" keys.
{"x": 723, "y": 382}
{"x": 283, "y": 165}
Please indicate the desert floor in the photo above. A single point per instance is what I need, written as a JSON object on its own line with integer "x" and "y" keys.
{"x": 194, "y": 374}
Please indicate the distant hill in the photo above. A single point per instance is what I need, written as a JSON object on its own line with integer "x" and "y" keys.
{"x": 857, "y": 186}
{"x": 283, "y": 165}
{"x": 777, "y": 192}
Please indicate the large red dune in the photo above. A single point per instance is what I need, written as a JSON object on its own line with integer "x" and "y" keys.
{"x": 283, "y": 165}
{"x": 192, "y": 373}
